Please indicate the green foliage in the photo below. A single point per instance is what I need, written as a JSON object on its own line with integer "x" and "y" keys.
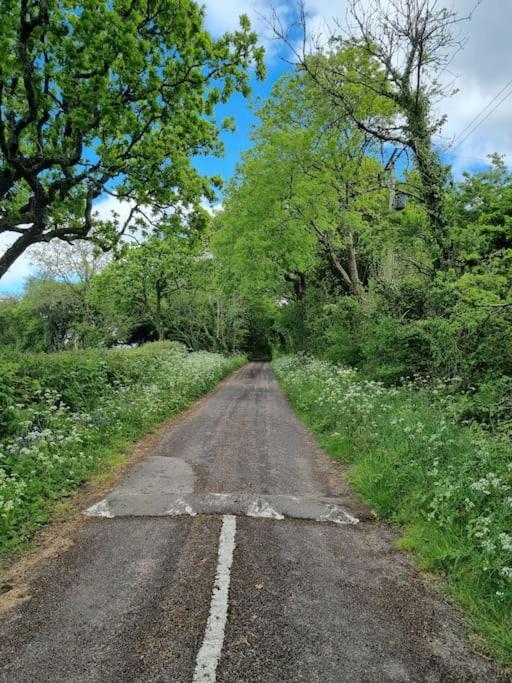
{"x": 354, "y": 283}
{"x": 306, "y": 255}
{"x": 451, "y": 486}
{"x": 168, "y": 287}
{"x": 306, "y": 194}
{"x": 137, "y": 289}
{"x": 64, "y": 415}
{"x": 412, "y": 318}
{"x": 102, "y": 94}
{"x": 51, "y": 316}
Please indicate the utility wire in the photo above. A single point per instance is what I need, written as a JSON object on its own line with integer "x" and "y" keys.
{"x": 470, "y": 124}
{"x": 471, "y": 127}
{"x": 483, "y": 120}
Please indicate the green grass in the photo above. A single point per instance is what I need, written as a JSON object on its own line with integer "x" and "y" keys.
{"x": 448, "y": 485}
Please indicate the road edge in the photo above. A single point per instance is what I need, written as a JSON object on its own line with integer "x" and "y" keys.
{"x": 55, "y": 537}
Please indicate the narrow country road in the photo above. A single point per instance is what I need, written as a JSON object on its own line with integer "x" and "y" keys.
{"x": 234, "y": 552}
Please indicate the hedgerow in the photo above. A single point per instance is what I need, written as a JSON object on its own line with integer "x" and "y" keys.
{"x": 65, "y": 414}
{"x": 450, "y": 485}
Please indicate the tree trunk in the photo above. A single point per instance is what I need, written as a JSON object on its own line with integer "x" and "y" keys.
{"x": 353, "y": 270}
{"x": 160, "y": 327}
{"x": 430, "y": 169}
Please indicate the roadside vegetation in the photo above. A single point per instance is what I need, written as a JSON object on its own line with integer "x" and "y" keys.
{"x": 344, "y": 237}
{"x": 394, "y": 278}
{"x": 448, "y": 485}
{"x": 66, "y": 415}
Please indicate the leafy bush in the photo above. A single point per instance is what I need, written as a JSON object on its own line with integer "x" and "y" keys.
{"x": 393, "y": 349}
{"x": 79, "y": 377}
{"x": 77, "y": 409}
{"x": 441, "y": 335}
{"x": 451, "y": 485}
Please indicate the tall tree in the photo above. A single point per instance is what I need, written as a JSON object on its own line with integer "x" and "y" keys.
{"x": 107, "y": 96}
{"x": 166, "y": 288}
{"x": 136, "y": 287}
{"x": 306, "y": 192}
{"x": 410, "y": 44}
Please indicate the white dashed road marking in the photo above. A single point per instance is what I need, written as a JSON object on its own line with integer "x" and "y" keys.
{"x": 209, "y": 654}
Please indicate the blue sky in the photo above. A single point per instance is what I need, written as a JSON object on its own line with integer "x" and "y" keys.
{"x": 242, "y": 110}
{"x": 479, "y": 72}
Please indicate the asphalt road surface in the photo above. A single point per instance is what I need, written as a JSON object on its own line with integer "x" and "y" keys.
{"x": 234, "y": 552}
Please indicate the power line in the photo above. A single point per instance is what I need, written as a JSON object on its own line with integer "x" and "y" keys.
{"x": 483, "y": 120}
{"x": 470, "y": 124}
{"x": 459, "y": 139}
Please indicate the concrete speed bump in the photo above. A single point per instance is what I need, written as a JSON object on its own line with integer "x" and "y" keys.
{"x": 275, "y": 507}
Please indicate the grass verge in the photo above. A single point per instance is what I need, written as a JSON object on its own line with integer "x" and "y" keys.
{"x": 449, "y": 486}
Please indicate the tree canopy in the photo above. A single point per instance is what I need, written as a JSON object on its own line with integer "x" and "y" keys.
{"x": 107, "y": 97}
{"x": 310, "y": 251}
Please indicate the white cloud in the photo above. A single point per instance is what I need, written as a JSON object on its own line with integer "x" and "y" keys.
{"x": 478, "y": 71}
{"x": 213, "y": 209}
{"x": 223, "y": 16}
{"x": 107, "y": 206}
{"x": 481, "y": 70}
